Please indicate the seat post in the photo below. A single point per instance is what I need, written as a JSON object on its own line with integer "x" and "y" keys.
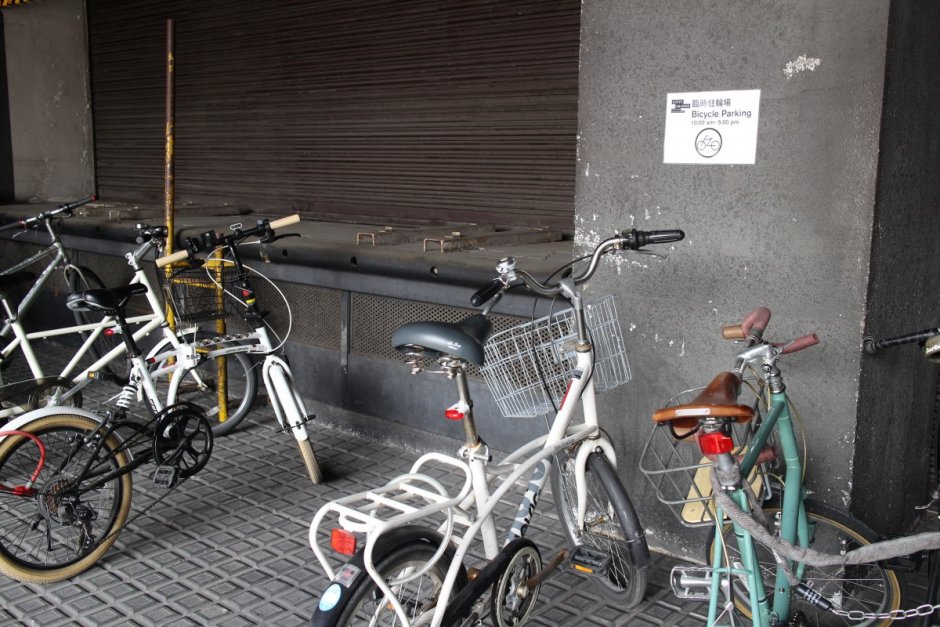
{"x": 463, "y": 394}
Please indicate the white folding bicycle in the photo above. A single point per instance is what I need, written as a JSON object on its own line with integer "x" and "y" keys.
{"x": 411, "y": 570}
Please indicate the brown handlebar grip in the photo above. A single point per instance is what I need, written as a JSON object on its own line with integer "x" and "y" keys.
{"x": 172, "y": 258}
{"x": 757, "y": 319}
{"x": 800, "y": 343}
{"x": 733, "y": 332}
{"x": 280, "y": 223}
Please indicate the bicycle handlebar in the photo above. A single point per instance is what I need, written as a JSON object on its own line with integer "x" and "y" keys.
{"x": 264, "y": 227}
{"x": 67, "y": 209}
{"x": 631, "y": 239}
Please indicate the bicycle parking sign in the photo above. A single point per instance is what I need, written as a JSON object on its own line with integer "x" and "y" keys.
{"x": 717, "y": 127}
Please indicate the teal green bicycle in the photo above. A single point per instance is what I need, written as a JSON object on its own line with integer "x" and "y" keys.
{"x": 748, "y": 468}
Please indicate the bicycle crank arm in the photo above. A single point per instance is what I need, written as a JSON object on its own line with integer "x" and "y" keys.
{"x": 534, "y": 582}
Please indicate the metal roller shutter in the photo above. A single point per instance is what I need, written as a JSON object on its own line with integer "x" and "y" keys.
{"x": 425, "y": 109}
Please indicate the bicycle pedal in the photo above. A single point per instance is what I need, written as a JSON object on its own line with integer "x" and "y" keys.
{"x": 588, "y": 561}
{"x": 691, "y": 582}
{"x": 165, "y": 476}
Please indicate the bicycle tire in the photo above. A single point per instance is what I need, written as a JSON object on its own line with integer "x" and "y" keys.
{"x": 366, "y": 602}
{"x": 242, "y": 380}
{"x": 86, "y": 279}
{"x": 310, "y": 460}
{"x": 608, "y": 504}
{"x": 39, "y": 543}
{"x": 835, "y": 531}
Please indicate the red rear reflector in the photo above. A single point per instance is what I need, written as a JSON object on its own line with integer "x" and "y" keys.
{"x": 343, "y": 542}
{"x": 453, "y": 414}
{"x": 715, "y": 443}
{"x": 108, "y": 332}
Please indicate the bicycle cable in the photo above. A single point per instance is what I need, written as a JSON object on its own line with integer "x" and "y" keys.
{"x": 287, "y": 308}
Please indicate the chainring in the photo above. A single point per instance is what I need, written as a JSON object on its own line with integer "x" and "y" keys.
{"x": 182, "y": 438}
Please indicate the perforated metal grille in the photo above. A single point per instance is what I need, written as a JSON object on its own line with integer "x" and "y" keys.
{"x": 375, "y": 318}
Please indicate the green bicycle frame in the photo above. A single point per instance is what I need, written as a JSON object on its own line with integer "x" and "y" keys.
{"x": 794, "y": 524}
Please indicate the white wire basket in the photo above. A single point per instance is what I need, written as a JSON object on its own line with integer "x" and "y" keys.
{"x": 527, "y": 367}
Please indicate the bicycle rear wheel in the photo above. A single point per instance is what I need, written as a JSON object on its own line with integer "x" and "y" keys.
{"x": 63, "y": 526}
{"x": 78, "y": 279}
{"x": 868, "y": 588}
{"x": 367, "y": 604}
{"x": 607, "y": 507}
{"x": 200, "y": 386}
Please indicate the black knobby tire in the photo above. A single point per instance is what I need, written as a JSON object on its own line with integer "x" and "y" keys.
{"x": 40, "y": 542}
{"x": 78, "y": 279}
{"x": 608, "y": 505}
{"x": 366, "y": 601}
{"x": 870, "y": 588}
{"x": 200, "y": 386}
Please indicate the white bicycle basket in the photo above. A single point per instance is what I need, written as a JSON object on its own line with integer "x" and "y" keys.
{"x": 527, "y": 367}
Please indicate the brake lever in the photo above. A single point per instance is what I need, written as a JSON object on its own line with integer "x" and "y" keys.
{"x": 643, "y": 251}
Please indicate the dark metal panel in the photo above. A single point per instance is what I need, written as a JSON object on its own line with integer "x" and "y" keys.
{"x": 431, "y": 109}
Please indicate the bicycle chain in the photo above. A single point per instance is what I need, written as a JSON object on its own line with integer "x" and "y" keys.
{"x": 857, "y": 615}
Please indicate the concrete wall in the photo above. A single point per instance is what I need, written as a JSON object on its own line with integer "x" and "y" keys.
{"x": 898, "y": 388}
{"x": 791, "y": 232}
{"x": 50, "y": 117}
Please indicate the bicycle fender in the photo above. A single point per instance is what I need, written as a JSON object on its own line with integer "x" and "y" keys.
{"x": 337, "y": 594}
{"x": 24, "y": 419}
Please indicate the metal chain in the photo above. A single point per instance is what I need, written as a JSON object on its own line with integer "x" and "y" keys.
{"x": 921, "y": 610}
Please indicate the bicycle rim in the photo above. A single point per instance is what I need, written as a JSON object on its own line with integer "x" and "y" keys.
{"x": 367, "y": 604}
{"x": 59, "y": 531}
{"x": 868, "y": 588}
{"x": 603, "y": 529}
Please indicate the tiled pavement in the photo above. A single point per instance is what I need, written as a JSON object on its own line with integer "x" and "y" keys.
{"x": 229, "y": 546}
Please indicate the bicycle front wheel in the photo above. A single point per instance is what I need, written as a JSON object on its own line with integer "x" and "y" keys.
{"x": 607, "y": 507}
{"x": 62, "y": 526}
{"x": 203, "y": 386}
{"x": 867, "y": 588}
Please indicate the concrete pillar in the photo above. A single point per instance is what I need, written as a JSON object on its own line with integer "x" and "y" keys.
{"x": 50, "y": 111}
{"x": 792, "y": 232}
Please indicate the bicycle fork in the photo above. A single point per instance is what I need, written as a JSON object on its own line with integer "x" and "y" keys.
{"x": 289, "y": 409}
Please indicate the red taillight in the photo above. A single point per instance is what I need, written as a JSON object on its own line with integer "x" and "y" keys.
{"x": 343, "y": 542}
{"x": 715, "y": 443}
{"x": 453, "y": 414}
{"x": 109, "y": 332}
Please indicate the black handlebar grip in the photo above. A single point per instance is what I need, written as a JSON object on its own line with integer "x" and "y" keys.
{"x": 664, "y": 237}
{"x": 639, "y": 239}
{"x": 486, "y": 292}
{"x": 78, "y": 203}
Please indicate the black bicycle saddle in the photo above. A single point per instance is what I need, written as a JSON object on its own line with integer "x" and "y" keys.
{"x": 463, "y": 340}
{"x": 103, "y": 299}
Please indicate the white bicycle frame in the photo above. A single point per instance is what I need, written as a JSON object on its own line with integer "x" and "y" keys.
{"x": 356, "y": 513}
{"x": 151, "y": 321}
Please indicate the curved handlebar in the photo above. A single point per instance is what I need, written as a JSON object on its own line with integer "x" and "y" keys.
{"x": 631, "y": 239}
{"x": 264, "y": 228}
{"x": 67, "y": 208}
